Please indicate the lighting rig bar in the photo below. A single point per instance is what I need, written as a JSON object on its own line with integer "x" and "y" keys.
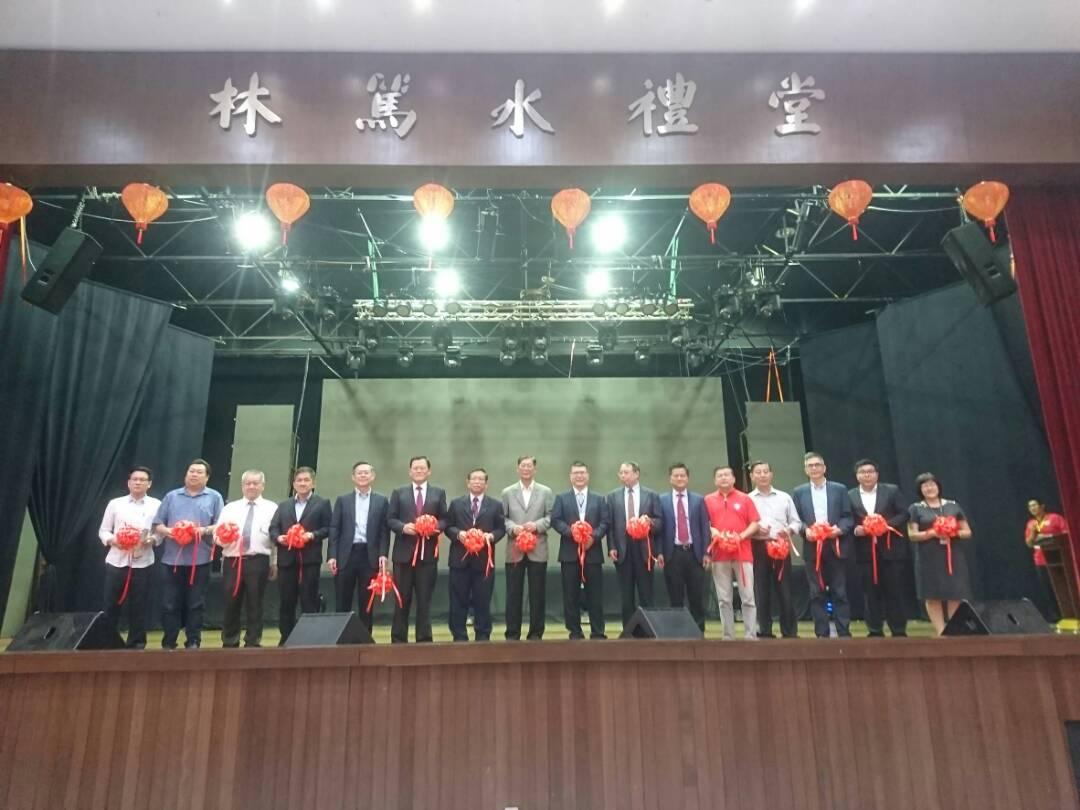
{"x": 565, "y": 311}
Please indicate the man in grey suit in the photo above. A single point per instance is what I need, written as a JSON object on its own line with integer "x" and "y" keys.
{"x": 527, "y": 506}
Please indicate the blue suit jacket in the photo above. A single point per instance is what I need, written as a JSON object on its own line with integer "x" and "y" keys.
{"x": 840, "y": 515}
{"x": 696, "y": 515}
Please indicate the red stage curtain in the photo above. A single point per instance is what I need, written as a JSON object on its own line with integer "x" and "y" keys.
{"x": 1044, "y": 227}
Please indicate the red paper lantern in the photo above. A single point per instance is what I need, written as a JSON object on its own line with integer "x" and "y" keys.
{"x": 849, "y": 200}
{"x": 289, "y": 203}
{"x": 985, "y": 201}
{"x": 709, "y": 202}
{"x": 433, "y": 200}
{"x": 145, "y": 203}
{"x": 570, "y": 207}
{"x": 14, "y": 204}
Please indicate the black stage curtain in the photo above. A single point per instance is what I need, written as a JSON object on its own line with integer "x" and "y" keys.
{"x": 961, "y": 410}
{"x": 26, "y": 335}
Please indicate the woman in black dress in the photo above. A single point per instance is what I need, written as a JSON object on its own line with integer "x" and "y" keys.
{"x": 941, "y": 590}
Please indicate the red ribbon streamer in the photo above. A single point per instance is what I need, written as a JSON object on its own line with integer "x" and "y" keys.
{"x": 475, "y": 542}
{"x": 127, "y": 539}
{"x": 779, "y": 549}
{"x": 581, "y": 532}
{"x": 381, "y": 584}
{"x": 186, "y": 533}
{"x": 640, "y": 528}
{"x": 947, "y": 527}
{"x": 296, "y": 540}
{"x": 426, "y": 527}
{"x": 818, "y": 533}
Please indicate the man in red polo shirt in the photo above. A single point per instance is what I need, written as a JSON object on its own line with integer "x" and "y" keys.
{"x": 732, "y": 511}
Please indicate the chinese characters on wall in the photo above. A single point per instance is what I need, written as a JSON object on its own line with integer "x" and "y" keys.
{"x": 672, "y": 98}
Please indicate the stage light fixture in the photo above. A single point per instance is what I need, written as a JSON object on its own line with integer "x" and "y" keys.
{"x": 283, "y": 304}
{"x": 770, "y": 305}
{"x": 641, "y": 354}
{"x": 440, "y": 337}
{"x": 539, "y": 358}
{"x": 599, "y": 309}
{"x": 356, "y": 357}
{"x": 695, "y": 355}
{"x": 447, "y": 283}
{"x": 540, "y": 342}
{"x": 597, "y": 283}
{"x": 403, "y": 309}
{"x": 434, "y": 233}
{"x": 609, "y": 233}
{"x": 253, "y": 231}
{"x": 452, "y": 357}
{"x": 509, "y": 343}
{"x": 594, "y": 354}
{"x": 288, "y": 283}
{"x": 379, "y": 309}
{"x": 507, "y": 358}
{"x": 369, "y": 336}
{"x": 607, "y": 337}
{"x": 453, "y": 308}
{"x": 405, "y": 357}
{"x": 671, "y": 308}
{"x": 430, "y": 309}
{"x": 622, "y": 309}
{"x": 649, "y": 308}
{"x": 678, "y": 334}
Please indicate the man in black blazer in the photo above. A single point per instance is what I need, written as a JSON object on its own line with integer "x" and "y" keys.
{"x": 298, "y": 571}
{"x": 888, "y": 598}
{"x": 818, "y": 501}
{"x": 359, "y": 541}
{"x": 683, "y": 543}
{"x": 631, "y": 557}
{"x": 471, "y": 578}
{"x": 414, "y": 559}
{"x": 581, "y": 504}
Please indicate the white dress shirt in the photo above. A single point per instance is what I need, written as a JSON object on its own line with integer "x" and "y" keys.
{"x": 236, "y": 512}
{"x": 526, "y": 494}
{"x": 869, "y": 500}
{"x": 582, "y": 498}
{"x": 777, "y": 512}
{"x": 126, "y": 511}
{"x": 820, "y": 497}
{"x": 636, "y": 489}
{"x": 362, "y": 503}
{"x": 301, "y": 505}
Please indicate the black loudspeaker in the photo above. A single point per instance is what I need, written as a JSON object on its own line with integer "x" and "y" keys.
{"x": 988, "y": 269}
{"x": 328, "y": 630}
{"x": 66, "y": 631}
{"x": 662, "y": 623}
{"x": 64, "y": 266}
{"x": 1001, "y": 618}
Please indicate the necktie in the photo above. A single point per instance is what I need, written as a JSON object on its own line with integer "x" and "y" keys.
{"x": 684, "y": 527}
{"x": 475, "y": 508}
{"x": 246, "y": 533}
{"x": 581, "y": 505}
{"x": 419, "y": 501}
{"x": 630, "y": 510}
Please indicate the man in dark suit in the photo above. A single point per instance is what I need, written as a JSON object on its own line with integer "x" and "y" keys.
{"x": 472, "y": 576}
{"x": 633, "y": 567}
{"x": 886, "y": 600}
{"x": 414, "y": 558}
{"x": 581, "y": 504}
{"x": 683, "y": 542}
{"x": 298, "y": 570}
{"x": 821, "y": 501}
{"x": 359, "y": 541}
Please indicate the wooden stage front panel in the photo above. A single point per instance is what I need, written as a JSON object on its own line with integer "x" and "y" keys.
{"x": 634, "y": 725}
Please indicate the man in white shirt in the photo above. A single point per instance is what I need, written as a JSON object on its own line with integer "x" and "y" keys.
{"x": 779, "y": 518}
{"x": 135, "y": 510}
{"x": 249, "y": 563}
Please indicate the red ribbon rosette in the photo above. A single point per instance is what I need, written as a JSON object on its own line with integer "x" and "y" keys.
{"x": 779, "y": 549}
{"x": 382, "y": 584}
{"x": 818, "y": 533}
{"x": 724, "y": 543}
{"x": 474, "y": 541}
{"x": 226, "y": 534}
{"x": 127, "y": 539}
{"x": 640, "y": 528}
{"x": 875, "y": 526}
{"x": 946, "y": 527}
{"x": 581, "y": 532}
{"x": 185, "y": 533}
{"x": 296, "y": 540}
{"x": 427, "y": 526}
{"x": 525, "y": 542}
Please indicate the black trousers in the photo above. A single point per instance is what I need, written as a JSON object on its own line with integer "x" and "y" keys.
{"x": 470, "y": 588}
{"x": 834, "y": 571}
{"x": 635, "y": 583}
{"x": 183, "y": 603}
{"x": 296, "y": 588}
{"x": 766, "y": 571}
{"x": 253, "y": 574}
{"x": 1052, "y": 612}
{"x": 884, "y": 601}
{"x": 594, "y": 598}
{"x": 685, "y": 581}
{"x": 418, "y": 582}
{"x": 134, "y": 603}
{"x": 353, "y": 579}
{"x": 536, "y": 571}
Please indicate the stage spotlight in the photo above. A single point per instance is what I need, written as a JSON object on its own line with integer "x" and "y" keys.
{"x": 608, "y": 337}
{"x": 440, "y": 338}
{"x": 447, "y": 283}
{"x": 430, "y": 309}
{"x": 434, "y": 233}
{"x": 731, "y": 310}
{"x": 539, "y": 358}
{"x": 510, "y": 343}
{"x": 671, "y": 308}
{"x": 507, "y": 358}
{"x": 770, "y": 305}
{"x": 379, "y": 309}
{"x": 599, "y": 309}
{"x": 405, "y": 357}
{"x": 540, "y": 342}
{"x": 288, "y": 283}
{"x": 649, "y": 308}
{"x": 452, "y": 357}
{"x": 283, "y": 304}
{"x": 695, "y": 355}
{"x": 403, "y": 309}
{"x": 453, "y": 308}
{"x": 356, "y": 357}
{"x": 622, "y": 309}
{"x": 597, "y": 283}
{"x": 609, "y": 233}
{"x": 641, "y": 354}
{"x": 253, "y": 231}
{"x": 594, "y": 354}
{"x": 369, "y": 336}
{"x": 678, "y": 334}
